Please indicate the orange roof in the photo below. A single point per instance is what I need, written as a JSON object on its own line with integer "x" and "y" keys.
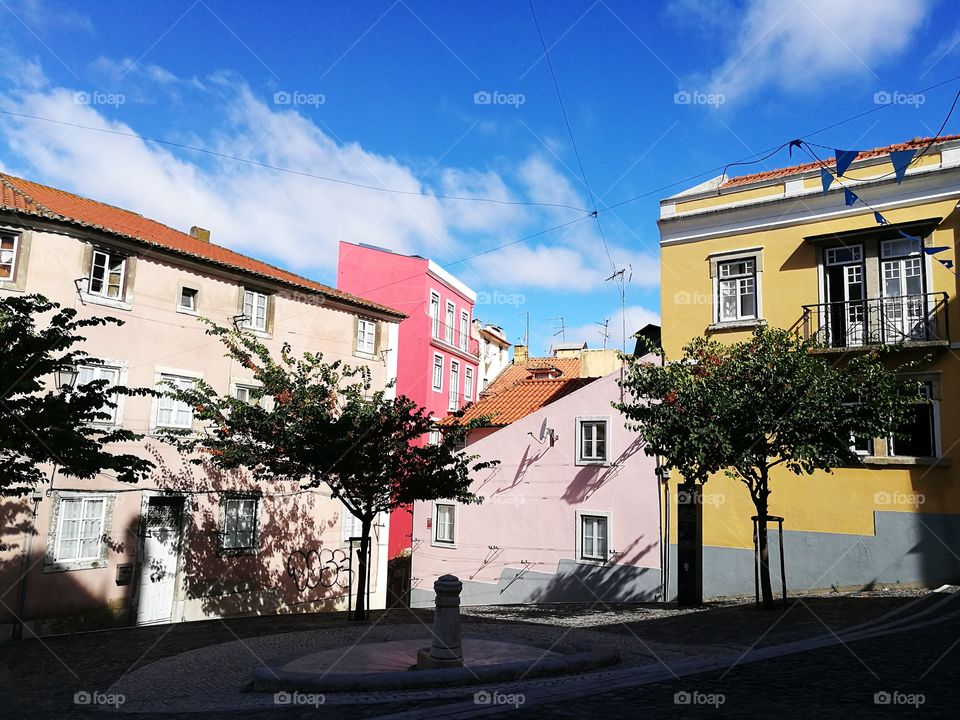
{"x": 29, "y": 198}
{"x": 516, "y": 392}
{"x": 916, "y": 143}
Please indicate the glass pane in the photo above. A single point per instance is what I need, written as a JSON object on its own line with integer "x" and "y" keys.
{"x": 71, "y": 509}
{"x": 748, "y": 299}
{"x": 90, "y": 548}
{"x": 93, "y": 510}
{"x": 70, "y": 529}
{"x": 728, "y": 300}
{"x": 68, "y": 549}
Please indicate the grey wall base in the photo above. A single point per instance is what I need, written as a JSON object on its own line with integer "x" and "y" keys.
{"x": 573, "y": 582}
{"x": 908, "y": 548}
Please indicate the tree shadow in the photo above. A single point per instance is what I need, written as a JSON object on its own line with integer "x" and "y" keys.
{"x": 591, "y": 478}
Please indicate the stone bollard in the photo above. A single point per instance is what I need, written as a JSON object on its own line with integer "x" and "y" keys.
{"x": 445, "y": 650}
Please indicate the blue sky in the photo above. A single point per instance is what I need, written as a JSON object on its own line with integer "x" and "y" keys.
{"x": 456, "y": 98}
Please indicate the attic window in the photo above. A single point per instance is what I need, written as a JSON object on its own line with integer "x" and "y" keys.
{"x": 544, "y": 373}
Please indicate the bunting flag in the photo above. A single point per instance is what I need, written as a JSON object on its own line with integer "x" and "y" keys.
{"x": 844, "y": 158}
{"x": 935, "y": 250}
{"x": 908, "y": 237}
{"x": 826, "y": 178}
{"x": 798, "y": 144}
{"x": 849, "y": 197}
{"x": 881, "y": 220}
{"x": 901, "y": 159}
{"x": 948, "y": 264}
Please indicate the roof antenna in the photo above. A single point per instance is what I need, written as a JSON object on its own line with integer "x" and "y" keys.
{"x": 605, "y": 333}
{"x": 562, "y": 330}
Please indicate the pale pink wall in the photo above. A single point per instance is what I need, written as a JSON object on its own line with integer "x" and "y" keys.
{"x": 156, "y": 336}
{"x": 531, "y": 499}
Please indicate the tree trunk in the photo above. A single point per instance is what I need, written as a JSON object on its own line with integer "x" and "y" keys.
{"x": 360, "y": 609}
{"x": 766, "y": 591}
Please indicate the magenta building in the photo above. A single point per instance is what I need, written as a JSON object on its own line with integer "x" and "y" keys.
{"x": 437, "y": 359}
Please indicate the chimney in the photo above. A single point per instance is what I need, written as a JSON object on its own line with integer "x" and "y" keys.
{"x": 200, "y": 234}
{"x": 519, "y": 354}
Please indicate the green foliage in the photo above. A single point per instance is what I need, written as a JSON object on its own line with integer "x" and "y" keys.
{"x": 41, "y": 424}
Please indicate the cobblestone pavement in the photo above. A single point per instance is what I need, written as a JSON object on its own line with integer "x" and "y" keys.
{"x": 39, "y": 678}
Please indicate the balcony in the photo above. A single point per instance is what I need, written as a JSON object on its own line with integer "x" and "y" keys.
{"x": 919, "y": 320}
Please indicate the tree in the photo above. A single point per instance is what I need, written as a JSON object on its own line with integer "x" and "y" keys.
{"x": 321, "y": 423}
{"x": 42, "y": 424}
{"x": 747, "y": 407}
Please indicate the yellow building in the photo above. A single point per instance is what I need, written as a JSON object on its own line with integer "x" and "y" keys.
{"x": 773, "y": 248}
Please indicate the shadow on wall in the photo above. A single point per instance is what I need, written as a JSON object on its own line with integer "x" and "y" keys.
{"x": 593, "y": 584}
{"x": 591, "y": 478}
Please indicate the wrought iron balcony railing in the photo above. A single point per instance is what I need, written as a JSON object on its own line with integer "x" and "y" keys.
{"x": 878, "y": 321}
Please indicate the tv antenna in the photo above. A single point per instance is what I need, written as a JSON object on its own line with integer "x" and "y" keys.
{"x": 622, "y": 277}
{"x": 605, "y": 333}
{"x": 561, "y": 330}
{"x": 526, "y": 331}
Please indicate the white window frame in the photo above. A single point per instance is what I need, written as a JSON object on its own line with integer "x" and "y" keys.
{"x": 196, "y": 298}
{"x": 104, "y": 292}
{"x": 434, "y": 541}
{"x": 738, "y": 281}
{"x": 120, "y": 368}
{"x": 437, "y": 386}
{"x": 250, "y": 321}
{"x": 580, "y": 422}
{"x": 160, "y": 377}
{"x": 58, "y": 538}
{"x": 241, "y": 498}
{"x": 453, "y": 402}
{"x": 733, "y": 256}
{"x": 350, "y": 525}
{"x": 15, "y": 259}
{"x": 468, "y": 385}
{"x": 435, "y": 314}
{"x": 238, "y": 388}
{"x": 363, "y": 347}
{"x": 464, "y": 330}
{"x": 597, "y": 560}
{"x": 449, "y": 322}
{"x": 434, "y": 437}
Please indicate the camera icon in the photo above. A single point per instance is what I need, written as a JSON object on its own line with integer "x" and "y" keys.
{"x": 682, "y": 97}
{"x": 82, "y": 698}
{"x": 81, "y": 98}
{"x": 882, "y": 97}
{"x": 482, "y": 97}
{"x": 682, "y": 698}
{"x": 482, "y": 697}
{"x": 282, "y": 698}
{"x": 882, "y": 498}
{"x": 682, "y": 297}
{"x": 882, "y": 698}
{"x": 282, "y": 97}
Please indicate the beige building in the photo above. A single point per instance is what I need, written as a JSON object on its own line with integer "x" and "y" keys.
{"x": 192, "y": 542}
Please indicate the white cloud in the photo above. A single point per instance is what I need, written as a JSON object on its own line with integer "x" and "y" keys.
{"x": 800, "y": 45}
{"x": 592, "y": 333}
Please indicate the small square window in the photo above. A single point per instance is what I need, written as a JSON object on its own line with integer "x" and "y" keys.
{"x": 244, "y": 393}
{"x": 240, "y": 522}
{"x": 188, "y": 299}
{"x": 255, "y": 310}
{"x": 592, "y": 441}
{"x": 593, "y": 534}
{"x": 366, "y": 336}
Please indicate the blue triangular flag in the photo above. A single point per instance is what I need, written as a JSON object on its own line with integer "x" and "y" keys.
{"x": 844, "y": 158}
{"x": 849, "y": 197}
{"x": 826, "y": 178}
{"x": 881, "y": 220}
{"x": 794, "y": 144}
{"x": 908, "y": 237}
{"x": 947, "y": 263}
{"x": 901, "y": 159}
{"x": 935, "y": 250}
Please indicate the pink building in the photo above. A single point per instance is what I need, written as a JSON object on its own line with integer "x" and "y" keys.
{"x": 437, "y": 363}
{"x": 570, "y": 515}
{"x": 190, "y": 542}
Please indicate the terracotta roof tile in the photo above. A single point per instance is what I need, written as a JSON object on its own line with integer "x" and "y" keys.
{"x": 22, "y": 196}
{"x": 519, "y": 400}
{"x": 916, "y": 143}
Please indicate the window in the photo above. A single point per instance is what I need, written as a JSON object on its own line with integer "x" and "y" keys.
{"x": 170, "y": 411}
{"x": 8, "y": 256}
{"x": 240, "y": 522}
{"x": 107, "y": 274}
{"x": 434, "y": 437}
{"x": 435, "y": 314}
{"x": 454, "y": 385}
{"x": 350, "y": 525}
{"x": 592, "y": 441}
{"x": 468, "y": 384}
{"x": 464, "y": 330}
{"x": 80, "y": 528}
{"x": 188, "y": 300}
{"x": 920, "y": 430}
{"x": 366, "y": 336}
{"x": 244, "y": 393}
{"x": 450, "y": 322}
{"x": 592, "y": 537}
{"x": 737, "y": 290}
{"x": 89, "y": 373}
{"x": 444, "y": 523}
{"x": 254, "y": 310}
{"x": 438, "y": 372}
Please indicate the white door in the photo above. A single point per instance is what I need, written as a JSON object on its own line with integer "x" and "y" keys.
{"x": 158, "y": 567}
{"x": 904, "y": 315}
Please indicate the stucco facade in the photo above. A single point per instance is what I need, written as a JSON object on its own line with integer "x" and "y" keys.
{"x": 554, "y": 526}
{"x": 180, "y": 529}
{"x": 830, "y": 271}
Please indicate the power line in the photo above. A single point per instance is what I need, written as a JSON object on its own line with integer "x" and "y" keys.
{"x": 290, "y": 171}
